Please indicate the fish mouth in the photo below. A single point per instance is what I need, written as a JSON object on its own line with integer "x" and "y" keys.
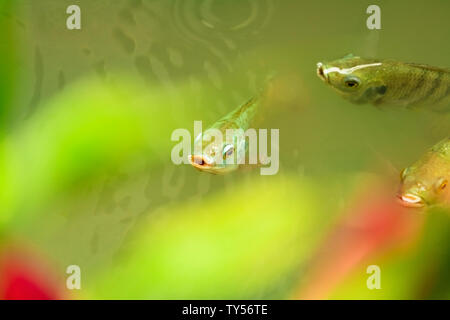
{"x": 201, "y": 161}
{"x": 411, "y": 200}
{"x": 321, "y": 72}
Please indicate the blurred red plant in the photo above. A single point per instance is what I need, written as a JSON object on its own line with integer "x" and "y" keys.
{"x": 376, "y": 224}
{"x": 27, "y": 275}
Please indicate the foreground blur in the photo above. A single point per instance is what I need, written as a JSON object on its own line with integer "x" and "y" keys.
{"x": 86, "y": 178}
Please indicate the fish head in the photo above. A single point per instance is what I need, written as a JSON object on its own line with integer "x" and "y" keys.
{"x": 220, "y": 154}
{"x": 354, "y": 78}
{"x": 419, "y": 188}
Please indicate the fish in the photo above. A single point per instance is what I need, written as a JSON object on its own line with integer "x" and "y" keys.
{"x": 426, "y": 182}
{"x": 225, "y": 155}
{"x": 388, "y": 82}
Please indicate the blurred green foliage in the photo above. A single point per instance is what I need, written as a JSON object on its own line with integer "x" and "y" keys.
{"x": 245, "y": 243}
{"x": 81, "y": 133}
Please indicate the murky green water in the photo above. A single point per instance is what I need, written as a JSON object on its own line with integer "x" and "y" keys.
{"x": 220, "y": 52}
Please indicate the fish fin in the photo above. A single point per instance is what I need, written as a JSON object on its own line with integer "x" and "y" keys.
{"x": 374, "y": 94}
{"x": 381, "y": 90}
{"x": 377, "y": 104}
{"x": 427, "y": 67}
{"x": 385, "y": 164}
{"x": 349, "y": 56}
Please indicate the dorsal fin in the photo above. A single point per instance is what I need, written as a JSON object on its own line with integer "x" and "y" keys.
{"x": 349, "y": 56}
{"x": 427, "y": 67}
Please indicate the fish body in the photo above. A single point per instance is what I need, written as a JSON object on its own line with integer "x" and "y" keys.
{"x": 388, "y": 82}
{"x": 426, "y": 181}
{"x": 220, "y": 156}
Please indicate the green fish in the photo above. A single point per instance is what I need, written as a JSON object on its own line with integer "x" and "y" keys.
{"x": 387, "y": 82}
{"x": 225, "y": 155}
{"x": 426, "y": 181}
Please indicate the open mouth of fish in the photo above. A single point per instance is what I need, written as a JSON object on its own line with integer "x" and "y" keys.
{"x": 321, "y": 72}
{"x": 411, "y": 200}
{"x": 201, "y": 161}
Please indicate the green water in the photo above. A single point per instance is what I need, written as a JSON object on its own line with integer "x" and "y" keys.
{"x": 207, "y": 57}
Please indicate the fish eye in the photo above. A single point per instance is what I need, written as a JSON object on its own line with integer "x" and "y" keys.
{"x": 442, "y": 184}
{"x": 351, "y": 82}
{"x": 228, "y": 150}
